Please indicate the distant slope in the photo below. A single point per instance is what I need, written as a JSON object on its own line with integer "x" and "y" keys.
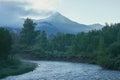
{"x": 61, "y": 24}
{"x": 96, "y": 26}
{"x": 57, "y": 23}
{"x": 47, "y": 27}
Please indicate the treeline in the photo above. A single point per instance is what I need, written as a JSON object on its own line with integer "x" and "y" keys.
{"x": 5, "y": 45}
{"x": 9, "y": 64}
{"x": 100, "y": 47}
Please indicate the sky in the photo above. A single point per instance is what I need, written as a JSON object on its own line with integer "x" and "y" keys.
{"x": 81, "y": 11}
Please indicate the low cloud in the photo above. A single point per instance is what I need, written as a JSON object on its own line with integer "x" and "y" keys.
{"x": 12, "y": 10}
{"x": 43, "y": 4}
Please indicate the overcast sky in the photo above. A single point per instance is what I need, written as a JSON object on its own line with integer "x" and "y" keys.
{"x": 82, "y": 11}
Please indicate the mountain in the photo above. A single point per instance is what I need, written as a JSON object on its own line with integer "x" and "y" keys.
{"x": 96, "y": 26}
{"x": 59, "y": 23}
{"x": 47, "y": 27}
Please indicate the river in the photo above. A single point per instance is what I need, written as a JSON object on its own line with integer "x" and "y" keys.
{"x": 53, "y": 70}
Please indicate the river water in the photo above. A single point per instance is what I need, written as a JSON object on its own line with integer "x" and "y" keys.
{"x": 53, "y": 70}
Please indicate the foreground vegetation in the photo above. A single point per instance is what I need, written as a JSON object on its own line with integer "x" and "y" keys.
{"x": 9, "y": 70}
{"x": 100, "y": 47}
{"x": 9, "y": 65}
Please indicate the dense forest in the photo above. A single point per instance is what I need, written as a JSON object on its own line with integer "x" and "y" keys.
{"x": 9, "y": 63}
{"x": 100, "y": 47}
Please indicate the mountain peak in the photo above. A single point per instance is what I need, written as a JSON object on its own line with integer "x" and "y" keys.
{"x": 96, "y": 26}
{"x": 57, "y": 17}
{"x": 56, "y": 14}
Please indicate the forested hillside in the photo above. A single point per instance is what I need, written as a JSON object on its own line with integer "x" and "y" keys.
{"x": 98, "y": 46}
{"x": 9, "y": 64}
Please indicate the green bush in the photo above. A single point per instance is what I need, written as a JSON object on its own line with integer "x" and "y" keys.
{"x": 16, "y": 70}
{"x": 114, "y": 49}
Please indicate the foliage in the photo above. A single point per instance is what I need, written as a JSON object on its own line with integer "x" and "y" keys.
{"x": 9, "y": 64}
{"x": 28, "y": 33}
{"x": 97, "y": 46}
{"x": 16, "y": 70}
{"x": 5, "y": 43}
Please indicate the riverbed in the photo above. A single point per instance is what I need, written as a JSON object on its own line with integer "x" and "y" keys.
{"x": 55, "y": 70}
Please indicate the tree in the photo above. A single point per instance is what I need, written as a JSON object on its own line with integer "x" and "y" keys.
{"x": 114, "y": 49}
{"x": 5, "y": 43}
{"x": 118, "y": 36}
{"x": 75, "y": 48}
{"x": 27, "y": 35}
{"x": 101, "y": 46}
{"x": 43, "y": 41}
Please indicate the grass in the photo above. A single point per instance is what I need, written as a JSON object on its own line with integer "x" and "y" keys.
{"x": 24, "y": 67}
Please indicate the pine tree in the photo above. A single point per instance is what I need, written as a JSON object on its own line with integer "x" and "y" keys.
{"x": 75, "y": 48}
{"x": 43, "y": 40}
{"x": 101, "y": 46}
{"x": 27, "y": 34}
{"x": 5, "y": 43}
{"x": 118, "y": 37}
